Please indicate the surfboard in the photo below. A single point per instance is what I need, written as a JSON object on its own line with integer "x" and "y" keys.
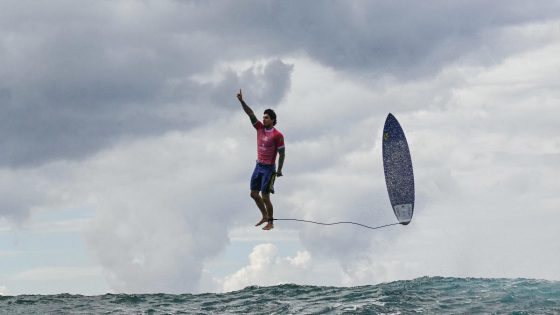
{"x": 397, "y": 164}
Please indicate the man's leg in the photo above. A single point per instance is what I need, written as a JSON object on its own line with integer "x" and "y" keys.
{"x": 269, "y": 210}
{"x": 258, "y": 200}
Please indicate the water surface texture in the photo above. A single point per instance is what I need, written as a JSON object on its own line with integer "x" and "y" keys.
{"x": 428, "y": 295}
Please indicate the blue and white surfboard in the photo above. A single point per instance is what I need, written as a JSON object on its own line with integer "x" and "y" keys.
{"x": 397, "y": 164}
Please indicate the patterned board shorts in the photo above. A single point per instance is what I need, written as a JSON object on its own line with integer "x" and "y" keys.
{"x": 263, "y": 178}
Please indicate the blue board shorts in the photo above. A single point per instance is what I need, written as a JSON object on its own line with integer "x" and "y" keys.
{"x": 263, "y": 178}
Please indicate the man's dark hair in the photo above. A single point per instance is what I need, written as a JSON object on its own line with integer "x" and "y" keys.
{"x": 272, "y": 115}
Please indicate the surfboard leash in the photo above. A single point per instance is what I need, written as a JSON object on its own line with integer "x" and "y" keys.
{"x": 342, "y": 222}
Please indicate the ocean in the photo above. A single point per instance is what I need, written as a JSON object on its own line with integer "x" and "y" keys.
{"x": 427, "y": 295}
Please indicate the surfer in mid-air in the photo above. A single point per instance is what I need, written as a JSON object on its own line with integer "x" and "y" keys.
{"x": 270, "y": 142}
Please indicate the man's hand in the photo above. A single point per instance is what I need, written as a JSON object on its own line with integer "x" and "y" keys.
{"x": 240, "y": 96}
{"x": 279, "y": 173}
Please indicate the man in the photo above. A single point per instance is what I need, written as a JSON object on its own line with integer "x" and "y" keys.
{"x": 269, "y": 142}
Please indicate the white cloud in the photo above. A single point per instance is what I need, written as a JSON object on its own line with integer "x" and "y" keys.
{"x": 267, "y": 268}
{"x": 167, "y": 211}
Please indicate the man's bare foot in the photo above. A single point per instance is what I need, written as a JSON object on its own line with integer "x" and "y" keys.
{"x": 269, "y": 226}
{"x": 263, "y": 220}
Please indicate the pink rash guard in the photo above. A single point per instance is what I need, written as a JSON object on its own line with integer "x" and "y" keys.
{"x": 268, "y": 143}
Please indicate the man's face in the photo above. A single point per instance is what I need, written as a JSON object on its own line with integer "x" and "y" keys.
{"x": 267, "y": 122}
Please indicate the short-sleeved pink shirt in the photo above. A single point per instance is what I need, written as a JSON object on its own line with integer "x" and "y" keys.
{"x": 268, "y": 143}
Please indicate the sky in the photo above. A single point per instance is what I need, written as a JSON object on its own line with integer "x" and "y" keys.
{"x": 125, "y": 156}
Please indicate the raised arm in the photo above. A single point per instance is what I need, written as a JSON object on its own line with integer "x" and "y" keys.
{"x": 246, "y": 108}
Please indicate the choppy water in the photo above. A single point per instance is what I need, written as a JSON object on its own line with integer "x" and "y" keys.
{"x": 428, "y": 295}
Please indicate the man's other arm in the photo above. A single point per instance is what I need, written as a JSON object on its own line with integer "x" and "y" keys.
{"x": 281, "y": 156}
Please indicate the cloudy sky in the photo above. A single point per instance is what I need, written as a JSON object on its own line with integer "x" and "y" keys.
{"x": 125, "y": 157}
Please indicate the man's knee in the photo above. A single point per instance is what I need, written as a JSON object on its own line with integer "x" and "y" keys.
{"x": 255, "y": 194}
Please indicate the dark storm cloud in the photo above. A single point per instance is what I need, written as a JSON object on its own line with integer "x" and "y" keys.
{"x": 385, "y": 37}
{"x": 69, "y": 88}
{"x": 75, "y": 78}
